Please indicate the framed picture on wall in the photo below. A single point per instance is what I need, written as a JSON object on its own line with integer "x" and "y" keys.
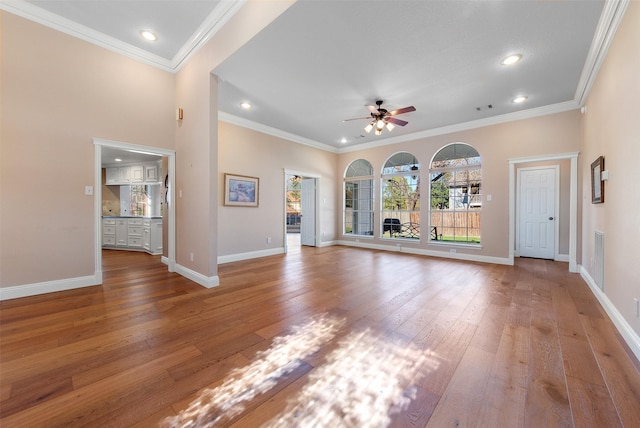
{"x": 597, "y": 187}
{"x": 241, "y": 190}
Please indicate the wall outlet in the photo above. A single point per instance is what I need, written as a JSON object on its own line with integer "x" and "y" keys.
{"x": 88, "y": 190}
{"x": 452, "y": 250}
{"x": 268, "y": 240}
{"x": 191, "y": 257}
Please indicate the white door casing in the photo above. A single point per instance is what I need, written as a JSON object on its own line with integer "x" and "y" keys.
{"x": 537, "y": 212}
{"x": 308, "y": 211}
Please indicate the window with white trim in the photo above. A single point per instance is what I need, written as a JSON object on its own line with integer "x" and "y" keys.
{"x": 455, "y": 176}
{"x": 401, "y": 197}
{"x": 358, "y": 198}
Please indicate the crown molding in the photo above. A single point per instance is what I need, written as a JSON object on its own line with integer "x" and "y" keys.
{"x": 64, "y": 25}
{"x": 480, "y": 123}
{"x": 225, "y": 10}
{"x": 211, "y": 25}
{"x": 245, "y": 123}
{"x": 610, "y": 19}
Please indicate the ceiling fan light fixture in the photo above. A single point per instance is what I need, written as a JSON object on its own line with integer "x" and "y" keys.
{"x": 380, "y": 125}
{"x": 390, "y": 126}
{"x": 378, "y": 131}
{"x": 368, "y": 128}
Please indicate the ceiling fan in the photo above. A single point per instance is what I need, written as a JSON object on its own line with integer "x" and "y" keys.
{"x": 381, "y": 118}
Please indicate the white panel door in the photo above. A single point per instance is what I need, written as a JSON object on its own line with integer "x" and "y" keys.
{"x": 308, "y": 212}
{"x": 537, "y": 193}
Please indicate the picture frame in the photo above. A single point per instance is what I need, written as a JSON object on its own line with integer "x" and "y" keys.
{"x": 597, "y": 187}
{"x": 241, "y": 190}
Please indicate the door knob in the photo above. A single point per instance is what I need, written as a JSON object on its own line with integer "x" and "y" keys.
{"x": 550, "y": 218}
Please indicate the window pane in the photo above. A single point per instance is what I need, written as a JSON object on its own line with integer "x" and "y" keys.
{"x": 455, "y": 199}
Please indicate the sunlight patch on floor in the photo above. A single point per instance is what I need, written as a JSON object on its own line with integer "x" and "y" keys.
{"x": 364, "y": 381}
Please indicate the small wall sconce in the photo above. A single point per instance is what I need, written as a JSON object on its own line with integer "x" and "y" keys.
{"x": 179, "y": 114}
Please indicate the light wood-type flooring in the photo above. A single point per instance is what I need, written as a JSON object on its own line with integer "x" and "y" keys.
{"x": 459, "y": 344}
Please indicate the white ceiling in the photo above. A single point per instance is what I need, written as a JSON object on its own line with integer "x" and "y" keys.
{"x": 323, "y": 61}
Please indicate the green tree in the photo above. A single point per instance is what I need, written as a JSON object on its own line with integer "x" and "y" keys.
{"x": 440, "y": 193}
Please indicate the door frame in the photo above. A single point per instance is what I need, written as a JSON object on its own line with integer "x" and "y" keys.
{"x": 316, "y": 178}
{"x": 556, "y": 208}
{"x": 573, "y": 203}
{"x": 170, "y": 259}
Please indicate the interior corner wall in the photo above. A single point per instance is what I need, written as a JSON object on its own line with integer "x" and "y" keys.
{"x": 58, "y": 93}
{"x": 244, "y": 231}
{"x": 611, "y": 129}
{"x": 540, "y": 136}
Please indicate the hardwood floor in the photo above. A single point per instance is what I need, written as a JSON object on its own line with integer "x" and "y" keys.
{"x": 445, "y": 343}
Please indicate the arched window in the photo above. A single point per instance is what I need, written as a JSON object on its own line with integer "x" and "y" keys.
{"x": 358, "y": 198}
{"x": 401, "y": 197}
{"x": 455, "y": 194}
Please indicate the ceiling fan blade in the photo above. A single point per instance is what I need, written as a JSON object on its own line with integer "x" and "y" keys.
{"x": 396, "y": 121}
{"x": 356, "y": 118}
{"x": 402, "y": 110}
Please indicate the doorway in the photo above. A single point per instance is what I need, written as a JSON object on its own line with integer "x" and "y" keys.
{"x": 538, "y": 212}
{"x": 169, "y": 258}
{"x": 301, "y": 215}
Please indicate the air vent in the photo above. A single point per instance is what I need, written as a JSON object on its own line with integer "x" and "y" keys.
{"x": 598, "y": 260}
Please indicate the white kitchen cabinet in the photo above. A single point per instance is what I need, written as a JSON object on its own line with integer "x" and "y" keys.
{"x": 137, "y": 174}
{"x": 151, "y": 173}
{"x": 112, "y": 176}
{"x": 152, "y": 236}
{"x": 133, "y": 233}
{"x": 121, "y": 232}
{"x": 124, "y": 174}
{"x": 108, "y": 231}
{"x": 133, "y": 174}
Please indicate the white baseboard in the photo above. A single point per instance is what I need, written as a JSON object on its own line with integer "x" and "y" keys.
{"x": 625, "y": 330}
{"x": 431, "y": 253}
{"x": 562, "y": 258}
{"x": 250, "y": 255}
{"x": 198, "y": 278}
{"x": 15, "y": 292}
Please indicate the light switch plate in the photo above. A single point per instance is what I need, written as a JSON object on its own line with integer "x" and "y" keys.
{"x": 88, "y": 190}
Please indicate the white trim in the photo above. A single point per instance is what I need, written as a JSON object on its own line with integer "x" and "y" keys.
{"x": 97, "y": 194}
{"x": 556, "y": 208}
{"x": 562, "y": 258}
{"x": 398, "y": 248}
{"x": 573, "y": 202}
{"x": 218, "y": 17}
{"x": 250, "y": 255}
{"x": 198, "y": 278}
{"x": 610, "y": 19}
{"x": 15, "y": 292}
{"x": 465, "y": 126}
{"x": 255, "y": 126}
{"x": 64, "y": 25}
{"x": 626, "y": 331}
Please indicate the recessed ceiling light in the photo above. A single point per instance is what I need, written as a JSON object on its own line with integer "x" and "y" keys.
{"x": 519, "y": 99}
{"x": 245, "y": 105}
{"x": 118, "y": 160}
{"x": 343, "y": 140}
{"x": 511, "y": 59}
{"x": 148, "y": 35}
